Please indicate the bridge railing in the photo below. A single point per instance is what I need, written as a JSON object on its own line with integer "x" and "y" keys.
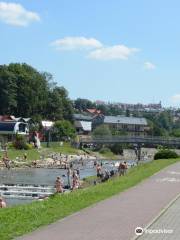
{"x": 131, "y": 139}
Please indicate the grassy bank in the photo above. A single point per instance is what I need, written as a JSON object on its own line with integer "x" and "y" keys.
{"x": 34, "y": 154}
{"x": 19, "y": 220}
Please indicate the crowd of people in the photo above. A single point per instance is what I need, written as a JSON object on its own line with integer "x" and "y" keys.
{"x": 104, "y": 174}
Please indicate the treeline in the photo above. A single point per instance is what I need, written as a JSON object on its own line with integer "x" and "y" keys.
{"x": 26, "y": 92}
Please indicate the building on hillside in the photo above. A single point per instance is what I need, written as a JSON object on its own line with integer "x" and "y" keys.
{"x": 132, "y": 126}
{"x": 83, "y": 127}
{"x": 83, "y": 124}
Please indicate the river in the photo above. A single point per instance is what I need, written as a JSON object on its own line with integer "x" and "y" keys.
{"x": 44, "y": 176}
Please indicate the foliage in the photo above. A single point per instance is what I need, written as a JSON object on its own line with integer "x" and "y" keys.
{"x": 165, "y": 154}
{"x": 63, "y": 130}
{"x": 175, "y": 132}
{"x": 28, "y": 217}
{"x": 26, "y": 92}
{"x": 118, "y": 132}
{"x": 117, "y": 148}
{"x": 82, "y": 104}
{"x": 59, "y": 105}
{"x": 21, "y": 143}
{"x": 102, "y": 131}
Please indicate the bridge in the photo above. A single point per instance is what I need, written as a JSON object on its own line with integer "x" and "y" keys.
{"x": 136, "y": 140}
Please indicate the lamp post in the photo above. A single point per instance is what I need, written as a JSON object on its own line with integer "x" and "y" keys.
{"x": 48, "y": 137}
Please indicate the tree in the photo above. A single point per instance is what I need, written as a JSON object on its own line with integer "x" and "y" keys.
{"x": 59, "y": 105}
{"x": 82, "y": 104}
{"x": 102, "y": 131}
{"x": 32, "y": 89}
{"x": 63, "y": 130}
{"x": 8, "y": 91}
{"x": 26, "y": 92}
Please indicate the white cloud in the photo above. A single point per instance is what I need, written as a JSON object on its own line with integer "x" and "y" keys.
{"x": 149, "y": 66}
{"x": 15, "y": 14}
{"x": 72, "y": 43}
{"x": 114, "y": 52}
{"x": 175, "y": 99}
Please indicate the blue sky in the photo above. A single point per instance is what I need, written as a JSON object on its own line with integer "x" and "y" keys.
{"x": 118, "y": 51}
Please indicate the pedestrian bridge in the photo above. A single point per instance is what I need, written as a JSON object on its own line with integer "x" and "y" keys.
{"x": 164, "y": 141}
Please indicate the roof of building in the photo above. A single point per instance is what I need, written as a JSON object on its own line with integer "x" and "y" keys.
{"x": 125, "y": 120}
{"x": 78, "y": 116}
{"x": 93, "y": 111}
{"x": 6, "y": 118}
{"x": 86, "y": 126}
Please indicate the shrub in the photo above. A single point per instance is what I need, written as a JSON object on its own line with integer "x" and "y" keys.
{"x": 21, "y": 143}
{"x": 165, "y": 154}
{"x": 117, "y": 149}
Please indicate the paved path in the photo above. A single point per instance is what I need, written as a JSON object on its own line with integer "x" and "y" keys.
{"x": 117, "y": 217}
{"x": 166, "y": 226}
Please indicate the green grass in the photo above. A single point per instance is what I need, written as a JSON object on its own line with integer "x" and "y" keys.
{"x": 19, "y": 220}
{"x": 34, "y": 154}
{"x": 65, "y": 149}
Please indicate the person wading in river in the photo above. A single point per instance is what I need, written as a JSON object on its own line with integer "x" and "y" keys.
{"x": 2, "y": 203}
{"x": 6, "y": 161}
{"x": 59, "y": 185}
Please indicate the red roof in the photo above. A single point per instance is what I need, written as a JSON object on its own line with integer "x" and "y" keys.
{"x": 4, "y": 118}
{"x": 93, "y": 111}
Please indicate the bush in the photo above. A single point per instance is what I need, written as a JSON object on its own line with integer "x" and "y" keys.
{"x": 117, "y": 149}
{"x": 165, "y": 154}
{"x": 104, "y": 150}
{"x": 21, "y": 143}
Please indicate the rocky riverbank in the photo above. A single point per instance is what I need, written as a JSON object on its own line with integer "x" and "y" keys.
{"x": 58, "y": 160}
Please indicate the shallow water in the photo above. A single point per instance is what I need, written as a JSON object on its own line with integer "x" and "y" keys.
{"x": 43, "y": 176}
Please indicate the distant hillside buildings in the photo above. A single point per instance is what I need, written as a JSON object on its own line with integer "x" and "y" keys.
{"x": 133, "y": 126}
{"x": 151, "y": 107}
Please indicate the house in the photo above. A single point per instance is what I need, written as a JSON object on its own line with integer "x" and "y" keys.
{"x": 9, "y": 129}
{"x": 83, "y": 127}
{"x": 83, "y": 123}
{"x": 131, "y": 126}
{"x": 11, "y": 125}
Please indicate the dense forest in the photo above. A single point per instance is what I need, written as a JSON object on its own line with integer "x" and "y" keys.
{"x": 26, "y": 92}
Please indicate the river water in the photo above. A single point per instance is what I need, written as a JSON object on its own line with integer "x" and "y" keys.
{"x": 43, "y": 176}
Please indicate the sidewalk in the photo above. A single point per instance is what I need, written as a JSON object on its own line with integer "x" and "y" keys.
{"x": 168, "y": 222}
{"x": 117, "y": 217}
